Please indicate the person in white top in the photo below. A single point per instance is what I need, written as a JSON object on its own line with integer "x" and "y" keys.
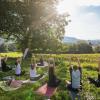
{"x": 76, "y": 75}
{"x": 18, "y": 67}
{"x": 33, "y": 68}
{"x": 33, "y": 73}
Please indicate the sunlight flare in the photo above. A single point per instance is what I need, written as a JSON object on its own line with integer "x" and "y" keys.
{"x": 65, "y": 6}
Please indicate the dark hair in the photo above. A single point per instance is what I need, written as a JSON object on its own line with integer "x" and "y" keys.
{"x": 32, "y": 66}
{"x": 75, "y": 66}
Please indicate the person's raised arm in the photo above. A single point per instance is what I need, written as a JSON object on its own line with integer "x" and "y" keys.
{"x": 78, "y": 61}
{"x": 79, "y": 65}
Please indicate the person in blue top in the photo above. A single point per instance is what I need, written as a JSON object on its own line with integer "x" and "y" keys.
{"x": 76, "y": 76}
{"x": 75, "y": 86}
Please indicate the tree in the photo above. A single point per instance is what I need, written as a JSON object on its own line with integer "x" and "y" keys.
{"x": 32, "y": 23}
{"x": 3, "y": 48}
{"x": 73, "y": 48}
{"x": 84, "y": 47}
{"x": 79, "y": 47}
{"x": 97, "y": 49}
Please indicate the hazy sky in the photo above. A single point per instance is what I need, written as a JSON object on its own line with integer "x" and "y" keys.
{"x": 85, "y": 16}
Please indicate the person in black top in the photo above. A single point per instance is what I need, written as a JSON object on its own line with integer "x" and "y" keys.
{"x": 96, "y": 82}
{"x": 41, "y": 61}
{"x": 53, "y": 81}
{"x": 4, "y": 65}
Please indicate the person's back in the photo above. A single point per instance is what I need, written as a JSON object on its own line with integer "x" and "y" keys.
{"x": 75, "y": 85}
{"x": 76, "y": 79}
{"x": 18, "y": 67}
{"x": 32, "y": 71}
{"x": 41, "y": 61}
{"x": 76, "y": 74}
{"x": 53, "y": 81}
{"x": 3, "y": 64}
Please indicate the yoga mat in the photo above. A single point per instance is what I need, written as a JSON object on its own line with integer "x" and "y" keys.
{"x": 45, "y": 65}
{"x": 4, "y": 87}
{"x": 40, "y": 66}
{"x": 46, "y": 91}
{"x": 8, "y": 78}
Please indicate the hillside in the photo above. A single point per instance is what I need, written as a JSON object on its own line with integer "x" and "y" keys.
{"x": 71, "y": 40}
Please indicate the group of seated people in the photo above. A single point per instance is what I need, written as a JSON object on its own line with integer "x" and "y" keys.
{"x": 75, "y": 85}
{"x": 18, "y": 71}
{"x": 75, "y": 73}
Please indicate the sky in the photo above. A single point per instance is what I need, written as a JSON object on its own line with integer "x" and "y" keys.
{"x": 85, "y": 18}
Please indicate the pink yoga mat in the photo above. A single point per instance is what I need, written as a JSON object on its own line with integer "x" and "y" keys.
{"x": 47, "y": 91}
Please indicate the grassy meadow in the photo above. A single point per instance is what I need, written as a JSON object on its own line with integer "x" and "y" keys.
{"x": 27, "y": 91}
{"x": 12, "y": 54}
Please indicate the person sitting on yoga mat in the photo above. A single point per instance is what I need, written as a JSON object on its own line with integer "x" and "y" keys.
{"x": 53, "y": 81}
{"x": 76, "y": 75}
{"x": 41, "y": 62}
{"x": 33, "y": 74}
{"x": 16, "y": 83}
{"x": 18, "y": 71}
{"x": 96, "y": 82}
{"x": 4, "y": 65}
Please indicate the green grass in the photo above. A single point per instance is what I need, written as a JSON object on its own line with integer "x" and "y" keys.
{"x": 26, "y": 92}
{"x": 12, "y": 54}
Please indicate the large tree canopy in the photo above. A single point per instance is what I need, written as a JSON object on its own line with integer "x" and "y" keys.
{"x": 32, "y": 23}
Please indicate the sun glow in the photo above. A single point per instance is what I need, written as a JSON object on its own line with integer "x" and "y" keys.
{"x": 66, "y": 6}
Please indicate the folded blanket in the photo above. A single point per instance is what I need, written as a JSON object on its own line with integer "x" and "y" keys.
{"x": 15, "y": 84}
{"x": 38, "y": 77}
{"x": 46, "y": 91}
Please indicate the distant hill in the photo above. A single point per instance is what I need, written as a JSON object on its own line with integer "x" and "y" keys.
{"x": 72, "y": 40}
{"x": 95, "y": 42}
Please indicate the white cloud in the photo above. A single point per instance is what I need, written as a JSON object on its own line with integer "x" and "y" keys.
{"x": 72, "y": 5}
{"x": 88, "y": 2}
{"x": 84, "y": 26}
